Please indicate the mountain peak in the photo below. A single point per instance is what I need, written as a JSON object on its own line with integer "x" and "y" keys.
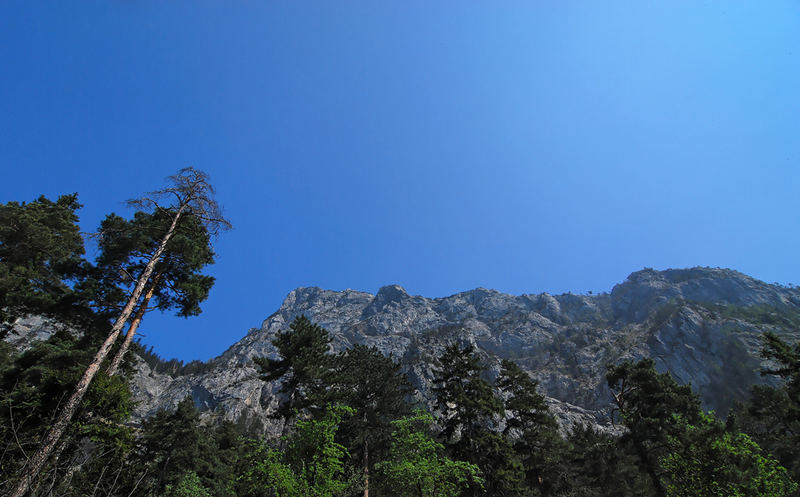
{"x": 563, "y": 341}
{"x": 392, "y": 292}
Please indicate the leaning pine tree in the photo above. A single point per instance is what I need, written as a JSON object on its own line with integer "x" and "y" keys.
{"x": 190, "y": 195}
{"x": 176, "y": 282}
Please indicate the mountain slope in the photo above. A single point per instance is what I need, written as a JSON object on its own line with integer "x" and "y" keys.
{"x": 701, "y": 324}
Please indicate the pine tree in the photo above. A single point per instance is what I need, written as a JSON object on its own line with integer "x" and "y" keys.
{"x": 533, "y": 429}
{"x": 176, "y": 283}
{"x": 171, "y": 444}
{"x": 469, "y": 412}
{"x": 596, "y": 465}
{"x": 374, "y": 386}
{"x": 32, "y": 386}
{"x": 190, "y": 195}
{"x": 650, "y": 404}
{"x": 304, "y": 366}
{"x": 772, "y": 415}
{"x": 43, "y": 272}
{"x": 41, "y": 259}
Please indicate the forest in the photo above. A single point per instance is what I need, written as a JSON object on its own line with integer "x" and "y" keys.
{"x": 351, "y": 423}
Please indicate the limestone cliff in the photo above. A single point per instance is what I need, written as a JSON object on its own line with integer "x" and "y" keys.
{"x": 701, "y": 324}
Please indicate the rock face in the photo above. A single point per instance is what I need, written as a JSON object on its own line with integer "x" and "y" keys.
{"x": 27, "y": 330}
{"x": 701, "y": 324}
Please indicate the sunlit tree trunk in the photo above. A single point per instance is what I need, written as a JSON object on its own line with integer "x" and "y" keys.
{"x": 137, "y": 318}
{"x": 35, "y": 463}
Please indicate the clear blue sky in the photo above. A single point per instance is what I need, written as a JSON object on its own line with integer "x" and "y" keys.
{"x": 537, "y": 146}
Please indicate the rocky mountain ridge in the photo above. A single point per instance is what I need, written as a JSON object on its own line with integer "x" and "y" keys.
{"x": 701, "y": 324}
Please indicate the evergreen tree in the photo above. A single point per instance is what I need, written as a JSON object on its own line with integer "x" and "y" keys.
{"x": 650, "y": 403}
{"x": 171, "y": 444}
{"x": 176, "y": 283}
{"x": 41, "y": 259}
{"x": 772, "y": 415}
{"x": 304, "y": 365}
{"x": 42, "y": 272}
{"x": 683, "y": 450}
{"x": 469, "y": 412}
{"x": 533, "y": 429}
{"x": 374, "y": 386}
{"x": 598, "y": 466}
{"x": 465, "y": 400}
{"x": 32, "y": 386}
{"x": 192, "y": 196}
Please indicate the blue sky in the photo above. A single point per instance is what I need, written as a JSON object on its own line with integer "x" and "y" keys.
{"x": 528, "y": 147}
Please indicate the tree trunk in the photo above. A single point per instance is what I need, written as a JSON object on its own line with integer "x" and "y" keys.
{"x": 650, "y": 468}
{"x": 366, "y": 469}
{"x": 56, "y": 458}
{"x": 35, "y": 463}
{"x": 285, "y": 427}
{"x": 112, "y": 369}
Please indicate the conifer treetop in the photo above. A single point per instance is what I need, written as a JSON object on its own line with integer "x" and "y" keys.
{"x": 192, "y": 193}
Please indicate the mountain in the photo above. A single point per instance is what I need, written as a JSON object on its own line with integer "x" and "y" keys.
{"x": 701, "y": 324}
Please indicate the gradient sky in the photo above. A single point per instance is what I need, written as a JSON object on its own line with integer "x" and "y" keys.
{"x": 535, "y": 146}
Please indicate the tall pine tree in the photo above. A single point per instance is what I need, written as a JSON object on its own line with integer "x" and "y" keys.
{"x": 189, "y": 195}
{"x": 127, "y": 245}
{"x": 533, "y": 429}
{"x": 374, "y": 386}
{"x": 304, "y": 366}
{"x": 470, "y": 412}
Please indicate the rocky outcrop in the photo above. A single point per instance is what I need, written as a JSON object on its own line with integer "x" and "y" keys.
{"x": 701, "y": 324}
{"x": 29, "y": 329}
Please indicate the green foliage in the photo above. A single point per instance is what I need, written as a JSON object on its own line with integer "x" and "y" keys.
{"x": 711, "y": 461}
{"x": 466, "y": 401}
{"x": 315, "y": 456}
{"x": 304, "y": 366}
{"x": 469, "y": 412}
{"x": 265, "y": 474}
{"x": 42, "y": 271}
{"x": 378, "y": 391}
{"x": 32, "y": 386}
{"x": 596, "y": 465}
{"x": 41, "y": 258}
{"x": 34, "y": 383}
{"x": 417, "y": 466}
{"x": 126, "y": 246}
{"x": 188, "y": 485}
{"x": 533, "y": 429}
{"x": 171, "y": 443}
{"x": 648, "y": 403}
{"x": 647, "y": 400}
{"x": 772, "y": 416}
{"x": 312, "y": 466}
{"x": 684, "y": 451}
